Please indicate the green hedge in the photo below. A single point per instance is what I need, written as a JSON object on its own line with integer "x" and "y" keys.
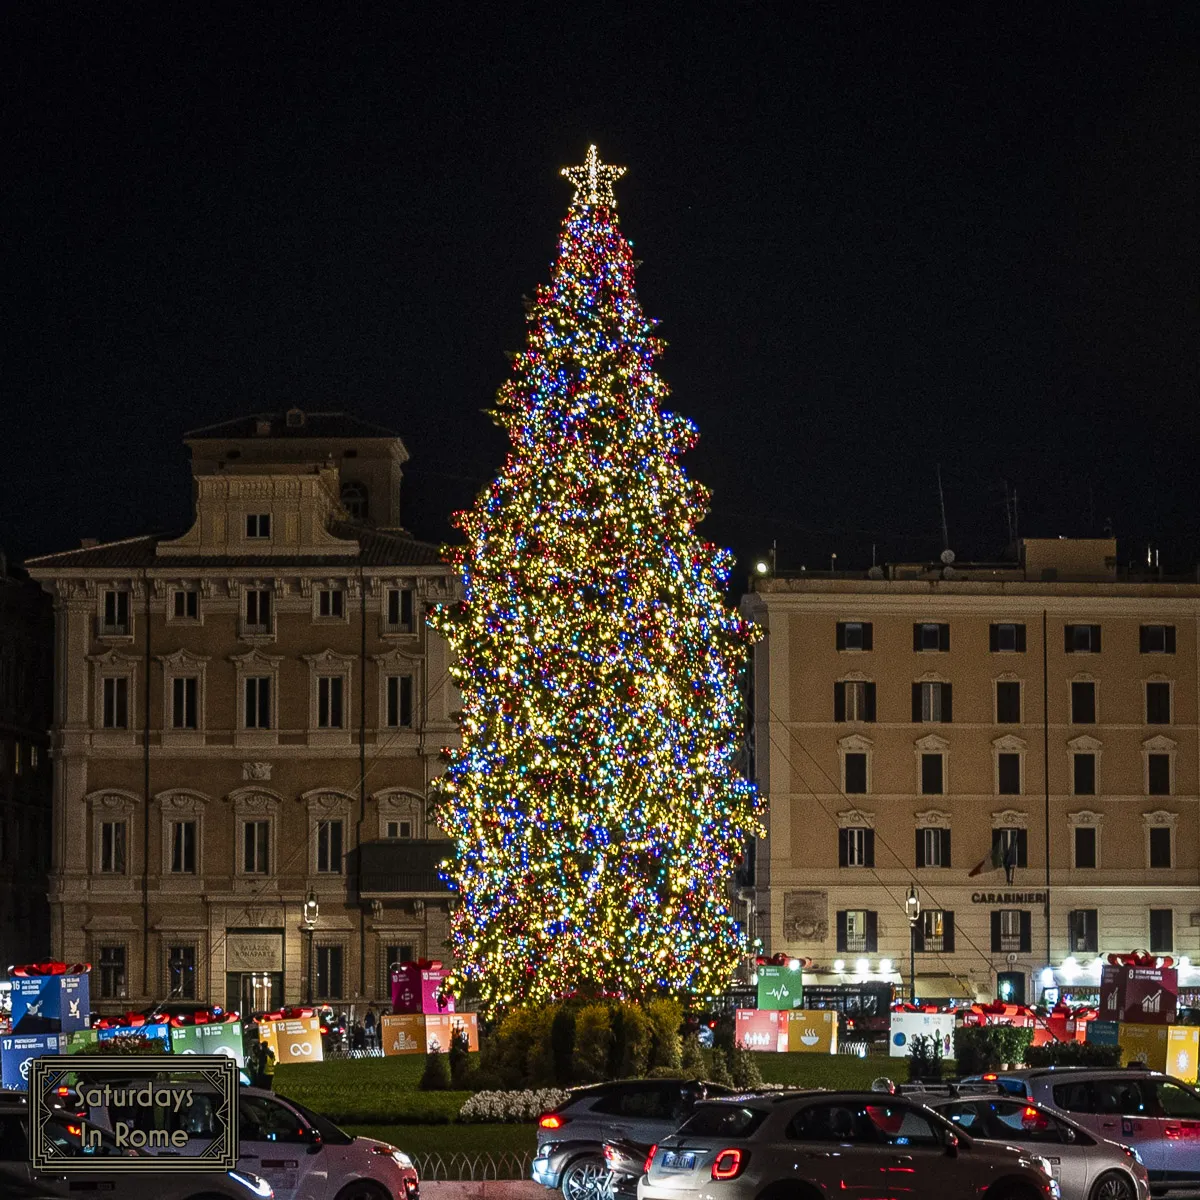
{"x": 981, "y": 1048}
{"x": 1073, "y": 1054}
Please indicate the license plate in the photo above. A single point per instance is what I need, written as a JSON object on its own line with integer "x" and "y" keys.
{"x": 678, "y": 1162}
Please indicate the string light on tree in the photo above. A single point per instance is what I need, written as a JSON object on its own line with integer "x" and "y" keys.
{"x": 594, "y": 805}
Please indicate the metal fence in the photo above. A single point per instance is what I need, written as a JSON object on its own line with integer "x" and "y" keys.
{"x": 443, "y": 1168}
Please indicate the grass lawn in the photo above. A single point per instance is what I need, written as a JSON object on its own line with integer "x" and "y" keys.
{"x": 424, "y": 1140}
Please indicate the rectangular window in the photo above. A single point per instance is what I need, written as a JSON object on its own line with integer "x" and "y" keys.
{"x": 1007, "y": 638}
{"x": 113, "y": 845}
{"x": 112, "y": 973}
{"x": 399, "y": 701}
{"x": 186, "y": 604}
{"x": 256, "y": 847}
{"x": 1083, "y": 703}
{"x": 935, "y": 931}
{"x": 1162, "y": 930}
{"x": 1008, "y": 702}
{"x": 185, "y": 695}
{"x": 1083, "y": 931}
{"x": 116, "y": 612}
{"x": 933, "y": 776}
{"x": 1081, "y": 639}
{"x": 933, "y": 847}
{"x": 1158, "y": 703}
{"x": 1084, "y": 766}
{"x": 856, "y": 774}
{"x": 329, "y": 847}
{"x": 258, "y": 525}
{"x": 395, "y": 955}
{"x": 854, "y": 635}
{"x": 258, "y": 610}
{"x": 856, "y": 847}
{"x": 183, "y": 847}
{"x": 1085, "y": 847}
{"x": 932, "y": 702}
{"x": 331, "y": 691}
{"x": 929, "y": 636}
{"x": 1008, "y": 774}
{"x": 399, "y": 829}
{"x": 331, "y": 602}
{"x": 854, "y": 700}
{"x": 258, "y": 702}
{"x": 1011, "y": 846}
{"x": 181, "y": 972}
{"x": 329, "y": 972}
{"x": 116, "y": 702}
{"x": 857, "y": 931}
{"x": 1160, "y": 847}
{"x": 1158, "y": 774}
{"x": 400, "y": 610}
{"x": 1157, "y": 639}
{"x": 1012, "y": 930}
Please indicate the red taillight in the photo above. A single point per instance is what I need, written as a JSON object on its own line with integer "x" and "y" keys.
{"x": 990, "y": 1077}
{"x": 728, "y": 1164}
{"x": 551, "y": 1121}
{"x": 649, "y": 1159}
{"x": 62, "y": 1091}
{"x": 74, "y": 1129}
{"x": 1030, "y": 1111}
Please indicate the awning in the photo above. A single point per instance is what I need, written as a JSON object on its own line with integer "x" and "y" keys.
{"x": 944, "y": 987}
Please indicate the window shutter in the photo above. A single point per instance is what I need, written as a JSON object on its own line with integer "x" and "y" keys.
{"x": 839, "y": 701}
{"x": 841, "y": 931}
{"x": 870, "y": 714}
{"x": 996, "y": 836}
{"x": 841, "y": 635}
{"x": 1170, "y": 639}
{"x": 1093, "y": 929}
{"x": 916, "y": 703}
{"x": 1144, "y": 640}
{"x": 1095, "y": 639}
{"x": 993, "y": 638}
{"x": 1026, "y": 931}
{"x": 843, "y": 847}
{"x": 872, "y": 932}
{"x": 916, "y": 636}
{"x": 1022, "y": 847}
{"x": 995, "y": 932}
{"x": 945, "y": 847}
{"x": 948, "y": 932}
{"x": 867, "y": 643}
{"x": 1021, "y": 638}
{"x": 943, "y": 637}
{"x": 918, "y": 935}
{"x": 869, "y": 847}
{"x": 920, "y": 858}
{"x": 1068, "y": 638}
{"x": 947, "y": 702}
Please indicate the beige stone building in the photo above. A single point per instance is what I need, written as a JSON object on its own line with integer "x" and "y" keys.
{"x": 913, "y": 723}
{"x": 247, "y": 717}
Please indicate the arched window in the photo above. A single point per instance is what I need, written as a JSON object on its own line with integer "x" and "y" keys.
{"x": 354, "y": 498}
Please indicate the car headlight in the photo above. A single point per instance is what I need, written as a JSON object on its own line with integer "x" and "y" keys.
{"x": 402, "y": 1160}
{"x": 254, "y": 1184}
{"x": 1042, "y": 1164}
{"x": 1131, "y": 1152}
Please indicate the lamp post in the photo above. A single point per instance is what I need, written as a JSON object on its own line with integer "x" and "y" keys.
{"x": 912, "y": 907}
{"x": 312, "y": 910}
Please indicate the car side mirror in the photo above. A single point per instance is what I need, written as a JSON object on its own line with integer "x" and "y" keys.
{"x": 315, "y": 1145}
{"x": 1068, "y": 1134}
{"x": 952, "y": 1145}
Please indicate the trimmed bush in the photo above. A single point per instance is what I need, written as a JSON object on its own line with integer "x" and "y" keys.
{"x": 562, "y": 1045}
{"x": 720, "y": 1069}
{"x": 745, "y": 1070}
{"x": 460, "y": 1060}
{"x": 925, "y": 1061}
{"x": 636, "y": 1041}
{"x": 1073, "y": 1054}
{"x": 981, "y": 1048}
{"x": 123, "y": 1045}
{"x": 437, "y": 1073}
{"x": 593, "y": 1042}
{"x": 665, "y": 1018}
{"x": 692, "y": 1057}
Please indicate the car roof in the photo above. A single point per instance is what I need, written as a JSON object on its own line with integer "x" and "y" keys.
{"x": 644, "y": 1085}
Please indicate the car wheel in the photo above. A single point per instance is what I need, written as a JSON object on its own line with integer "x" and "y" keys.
{"x": 1114, "y": 1185}
{"x": 585, "y": 1179}
{"x": 362, "y": 1189}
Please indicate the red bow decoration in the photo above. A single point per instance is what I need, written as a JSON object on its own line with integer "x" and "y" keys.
{"x": 429, "y": 964}
{"x": 287, "y": 1014}
{"x": 782, "y": 960}
{"x": 34, "y": 970}
{"x": 203, "y": 1016}
{"x": 1140, "y": 958}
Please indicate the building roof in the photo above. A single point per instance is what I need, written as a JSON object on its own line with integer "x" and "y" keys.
{"x": 286, "y": 424}
{"x": 377, "y": 548}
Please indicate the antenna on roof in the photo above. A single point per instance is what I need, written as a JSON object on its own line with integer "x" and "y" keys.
{"x": 942, "y": 502}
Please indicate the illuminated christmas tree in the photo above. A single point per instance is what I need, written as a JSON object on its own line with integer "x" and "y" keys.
{"x": 594, "y": 803}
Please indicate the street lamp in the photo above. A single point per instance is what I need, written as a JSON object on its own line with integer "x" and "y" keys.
{"x": 312, "y": 910}
{"x": 912, "y": 908}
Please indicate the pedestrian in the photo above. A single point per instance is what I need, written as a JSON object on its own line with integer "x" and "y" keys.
{"x": 371, "y": 1024}
{"x": 358, "y": 1037}
{"x": 268, "y": 1068}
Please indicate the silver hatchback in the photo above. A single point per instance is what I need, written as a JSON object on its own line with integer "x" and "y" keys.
{"x": 1087, "y": 1167}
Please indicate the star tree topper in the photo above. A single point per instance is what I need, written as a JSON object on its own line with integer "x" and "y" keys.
{"x": 593, "y": 180}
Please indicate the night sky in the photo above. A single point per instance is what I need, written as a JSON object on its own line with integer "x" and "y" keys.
{"x": 877, "y": 242}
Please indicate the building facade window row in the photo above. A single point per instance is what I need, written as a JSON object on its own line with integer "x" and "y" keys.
{"x": 1004, "y": 637}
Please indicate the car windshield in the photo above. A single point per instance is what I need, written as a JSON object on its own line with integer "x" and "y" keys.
{"x": 723, "y": 1121}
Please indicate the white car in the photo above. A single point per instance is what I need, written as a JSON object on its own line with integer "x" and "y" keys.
{"x": 19, "y": 1179}
{"x": 301, "y": 1154}
{"x": 810, "y": 1145}
{"x": 1086, "y": 1166}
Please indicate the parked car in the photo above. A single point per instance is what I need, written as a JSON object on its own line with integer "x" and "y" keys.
{"x": 1155, "y": 1114}
{"x": 808, "y": 1145}
{"x": 19, "y": 1179}
{"x": 301, "y": 1154}
{"x": 625, "y": 1162}
{"x": 1087, "y": 1167}
{"x": 571, "y": 1137}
